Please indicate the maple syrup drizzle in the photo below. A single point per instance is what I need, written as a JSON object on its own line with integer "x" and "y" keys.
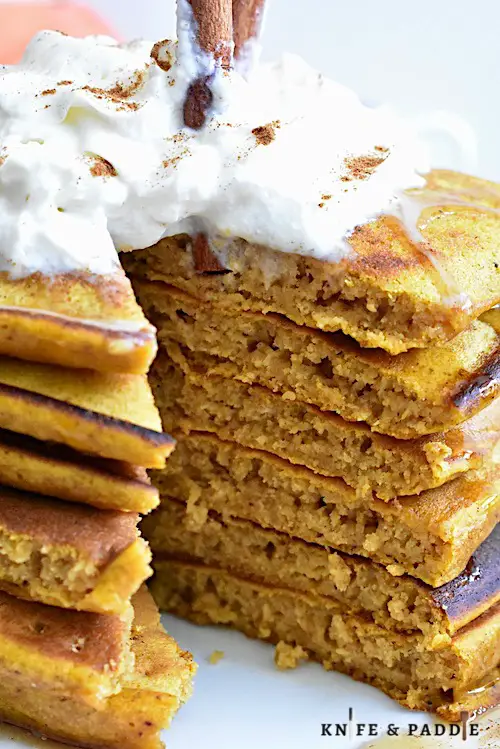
{"x": 408, "y": 211}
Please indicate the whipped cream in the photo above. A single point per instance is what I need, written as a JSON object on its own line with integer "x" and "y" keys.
{"x": 94, "y": 157}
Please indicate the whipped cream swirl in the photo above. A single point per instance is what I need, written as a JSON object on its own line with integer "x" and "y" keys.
{"x": 94, "y": 157}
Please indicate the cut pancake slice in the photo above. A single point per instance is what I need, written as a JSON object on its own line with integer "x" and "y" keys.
{"x": 110, "y": 415}
{"x": 419, "y": 392}
{"x": 75, "y": 320}
{"x": 70, "y": 555}
{"x": 396, "y": 290}
{"x": 322, "y": 441}
{"x": 150, "y": 693}
{"x": 314, "y": 626}
{"x": 430, "y": 536}
{"x": 58, "y": 654}
{"x": 357, "y": 585}
{"x": 58, "y": 471}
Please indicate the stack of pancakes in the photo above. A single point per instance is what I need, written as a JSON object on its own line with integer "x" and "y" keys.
{"x": 336, "y": 487}
{"x": 83, "y": 657}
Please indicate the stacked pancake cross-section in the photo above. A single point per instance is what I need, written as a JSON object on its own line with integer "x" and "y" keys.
{"x": 83, "y": 656}
{"x": 336, "y": 487}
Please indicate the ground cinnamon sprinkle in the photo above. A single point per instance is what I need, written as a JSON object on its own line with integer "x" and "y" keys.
{"x": 101, "y": 93}
{"x": 48, "y": 91}
{"x": 102, "y": 167}
{"x": 175, "y": 159}
{"x": 120, "y": 92}
{"x": 361, "y": 167}
{"x": 129, "y": 105}
{"x": 65, "y": 83}
{"x": 265, "y": 134}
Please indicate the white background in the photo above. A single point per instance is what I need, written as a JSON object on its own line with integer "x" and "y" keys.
{"x": 419, "y": 55}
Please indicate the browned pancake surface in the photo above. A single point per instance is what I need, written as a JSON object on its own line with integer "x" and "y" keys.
{"x": 98, "y": 534}
{"x": 79, "y": 637}
{"x": 150, "y": 693}
{"x": 75, "y": 320}
{"x": 109, "y": 415}
{"x": 58, "y": 471}
{"x": 477, "y": 587}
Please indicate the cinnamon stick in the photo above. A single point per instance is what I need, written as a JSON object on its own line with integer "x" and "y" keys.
{"x": 214, "y": 28}
{"x": 247, "y": 22}
{"x": 213, "y": 31}
{"x": 204, "y": 259}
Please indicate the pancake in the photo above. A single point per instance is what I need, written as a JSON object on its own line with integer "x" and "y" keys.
{"x": 70, "y": 555}
{"x": 58, "y": 471}
{"x": 482, "y": 698}
{"x": 61, "y": 654}
{"x": 110, "y": 415}
{"x": 431, "y": 680}
{"x": 401, "y": 287}
{"x": 358, "y": 586}
{"x": 430, "y": 536}
{"x": 257, "y": 418}
{"x": 415, "y": 393}
{"x": 150, "y": 694}
{"x": 75, "y": 320}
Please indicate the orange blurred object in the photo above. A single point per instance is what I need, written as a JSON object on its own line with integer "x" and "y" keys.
{"x": 20, "y": 21}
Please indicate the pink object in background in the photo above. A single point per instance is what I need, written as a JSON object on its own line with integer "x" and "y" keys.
{"x": 20, "y": 21}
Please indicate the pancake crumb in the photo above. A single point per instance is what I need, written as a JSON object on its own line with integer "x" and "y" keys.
{"x": 396, "y": 570}
{"x": 215, "y": 657}
{"x": 288, "y": 656}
